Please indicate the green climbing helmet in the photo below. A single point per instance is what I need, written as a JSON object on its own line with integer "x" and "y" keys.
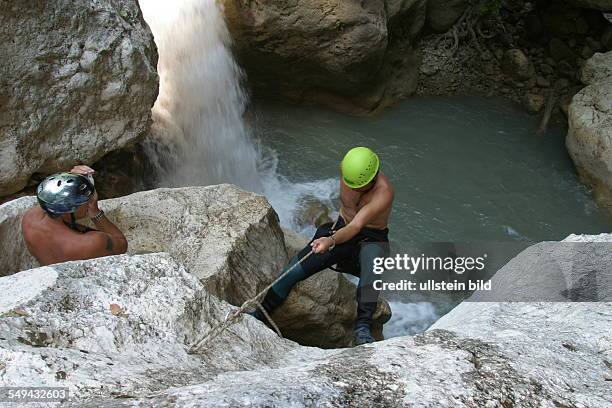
{"x": 359, "y": 167}
{"x": 63, "y": 193}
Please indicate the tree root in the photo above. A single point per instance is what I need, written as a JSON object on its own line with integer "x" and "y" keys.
{"x": 467, "y": 28}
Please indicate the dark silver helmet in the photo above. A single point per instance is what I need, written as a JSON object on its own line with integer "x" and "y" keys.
{"x": 63, "y": 193}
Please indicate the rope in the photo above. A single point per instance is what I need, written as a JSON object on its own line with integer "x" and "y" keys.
{"x": 233, "y": 316}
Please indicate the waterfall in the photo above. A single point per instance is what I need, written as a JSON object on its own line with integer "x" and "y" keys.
{"x": 199, "y": 136}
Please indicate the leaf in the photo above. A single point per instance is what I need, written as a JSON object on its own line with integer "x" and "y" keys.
{"x": 115, "y": 309}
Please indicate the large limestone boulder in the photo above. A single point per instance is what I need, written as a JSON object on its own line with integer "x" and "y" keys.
{"x": 597, "y": 68}
{"x": 497, "y": 355}
{"x": 14, "y": 255}
{"x": 229, "y": 239}
{"x": 115, "y": 330}
{"x": 121, "y": 326}
{"x": 589, "y": 137}
{"x": 78, "y": 80}
{"x": 578, "y": 269}
{"x": 321, "y": 311}
{"x": 330, "y": 50}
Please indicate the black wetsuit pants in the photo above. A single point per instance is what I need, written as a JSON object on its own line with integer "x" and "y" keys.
{"x": 354, "y": 256}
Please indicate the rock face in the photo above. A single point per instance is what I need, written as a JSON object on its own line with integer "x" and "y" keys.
{"x": 227, "y": 238}
{"x": 116, "y": 331}
{"x": 442, "y": 14}
{"x": 15, "y": 256}
{"x": 321, "y": 49}
{"x": 603, "y": 5}
{"x": 78, "y": 80}
{"x": 589, "y": 137}
{"x": 577, "y": 269}
{"x": 517, "y": 66}
{"x": 120, "y": 326}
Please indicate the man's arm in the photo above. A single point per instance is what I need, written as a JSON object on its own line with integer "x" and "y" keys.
{"x": 367, "y": 213}
{"x": 90, "y": 245}
{"x": 116, "y": 242}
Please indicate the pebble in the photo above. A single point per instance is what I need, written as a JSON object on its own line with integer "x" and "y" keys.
{"x": 546, "y": 69}
{"x": 542, "y": 82}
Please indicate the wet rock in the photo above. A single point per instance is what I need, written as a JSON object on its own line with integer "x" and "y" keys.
{"x": 324, "y": 50}
{"x": 442, "y": 14}
{"x": 78, "y": 81}
{"x": 312, "y": 212}
{"x": 517, "y": 66}
{"x": 533, "y": 102}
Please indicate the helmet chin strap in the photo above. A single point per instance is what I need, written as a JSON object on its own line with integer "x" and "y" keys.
{"x": 72, "y": 221}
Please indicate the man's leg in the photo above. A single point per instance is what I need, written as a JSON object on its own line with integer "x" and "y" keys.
{"x": 367, "y": 296}
{"x": 311, "y": 265}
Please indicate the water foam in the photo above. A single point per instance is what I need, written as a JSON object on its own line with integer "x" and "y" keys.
{"x": 199, "y": 136}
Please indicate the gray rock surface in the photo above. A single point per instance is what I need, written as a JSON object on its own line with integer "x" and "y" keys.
{"x": 597, "y": 68}
{"x": 589, "y": 137}
{"x": 120, "y": 326}
{"x": 14, "y": 255}
{"x": 442, "y": 14}
{"x": 578, "y": 269}
{"x": 77, "y": 81}
{"x": 523, "y": 355}
{"x": 321, "y": 49}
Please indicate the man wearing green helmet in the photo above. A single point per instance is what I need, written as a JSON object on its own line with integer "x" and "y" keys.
{"x": 359, "y": 235}
{"x": 50, "y": 229}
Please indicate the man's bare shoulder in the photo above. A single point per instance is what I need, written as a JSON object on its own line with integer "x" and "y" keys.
{"x": 385, "y": 187}
{"x": 32, "y": 217}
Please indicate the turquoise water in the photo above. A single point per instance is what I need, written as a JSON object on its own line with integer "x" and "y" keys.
{"x": 464, "y": 169}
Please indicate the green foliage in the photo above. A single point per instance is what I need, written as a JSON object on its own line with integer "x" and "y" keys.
{"x": 490, "y": 8}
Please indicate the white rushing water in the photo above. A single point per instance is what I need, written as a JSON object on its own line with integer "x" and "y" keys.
{"x": 199, "y": 135}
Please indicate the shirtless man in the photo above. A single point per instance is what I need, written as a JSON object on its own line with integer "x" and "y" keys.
{"x": 50, "y": 229}
{"x": 366, "y": 196}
